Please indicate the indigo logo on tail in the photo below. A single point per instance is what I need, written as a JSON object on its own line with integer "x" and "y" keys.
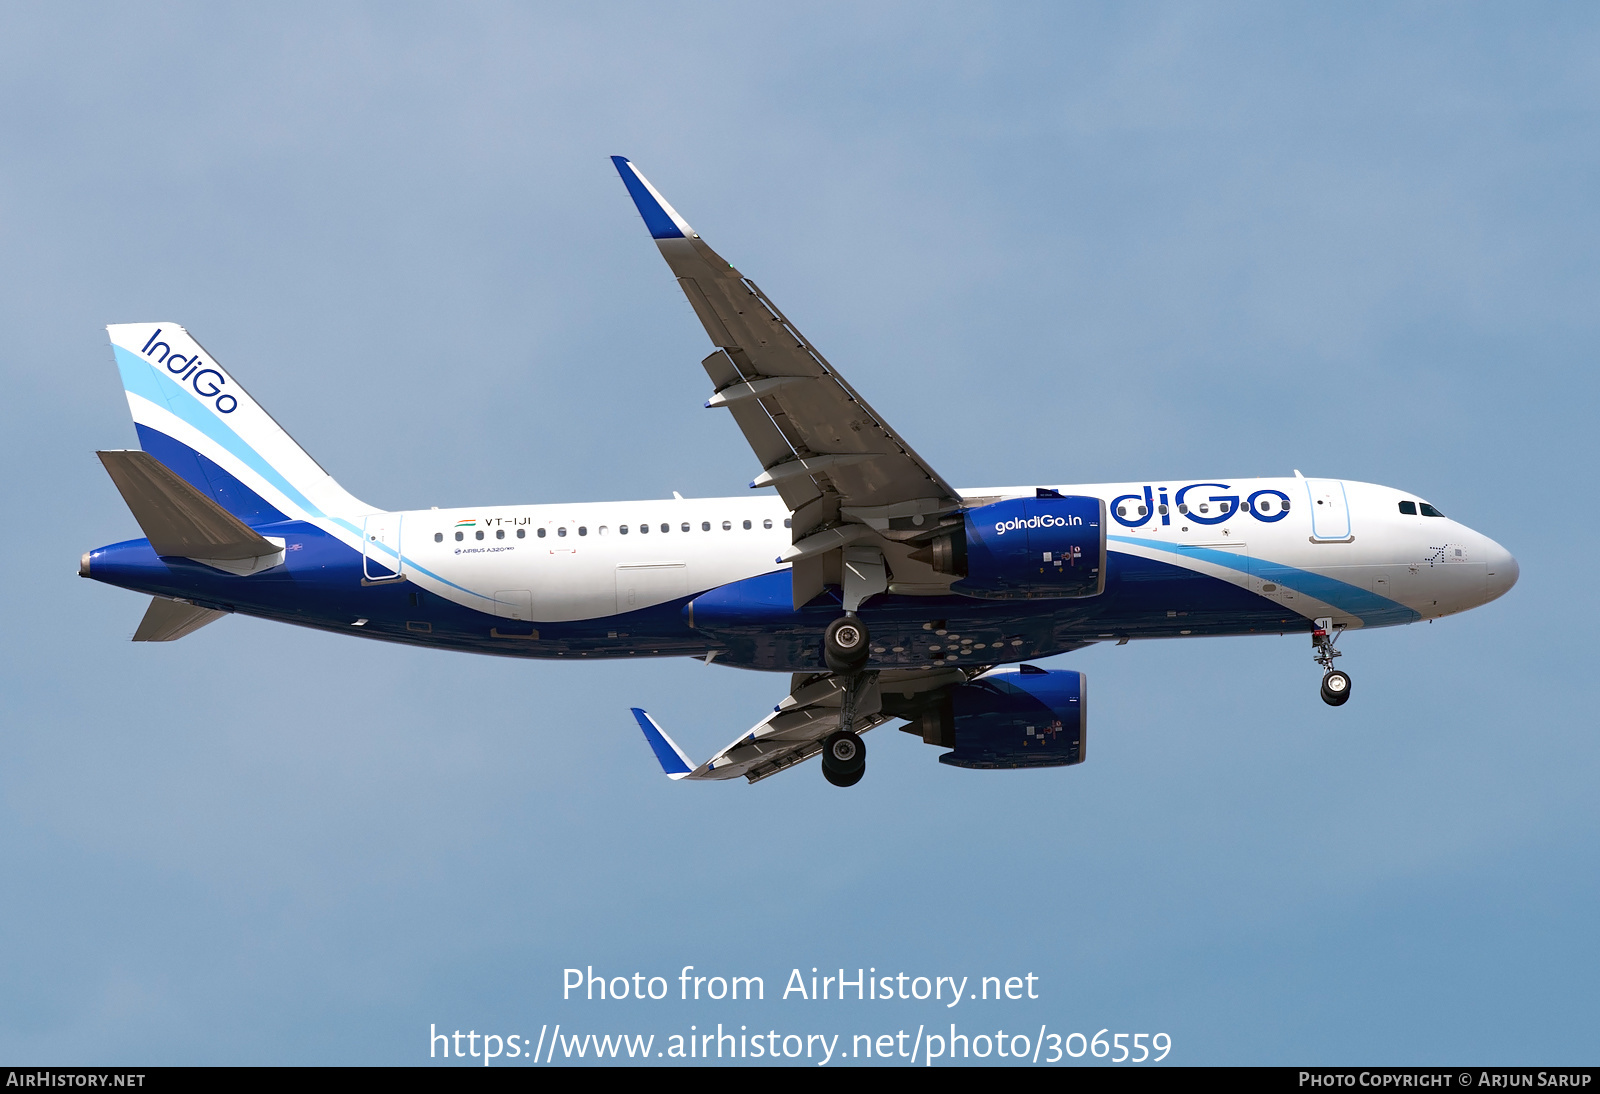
{"x": 206, "y": 382}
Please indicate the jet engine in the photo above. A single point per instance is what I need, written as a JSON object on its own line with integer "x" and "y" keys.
{"x": 1050, "y": 546}
{"x": 1023, "y": 717}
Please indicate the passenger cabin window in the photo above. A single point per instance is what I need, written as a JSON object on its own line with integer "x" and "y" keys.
{"x": 644, "y": 529}
{"x": 1409, "y": 508}
{"x": 1428, "y": 510}
{"x": 766, "y": 524}
{"x": 541, "y": 533}
{"x": 562, "y": 530}
{"x": 746, "y": 526}
{"x": 622, "y": 529}
{"x": 685, "y": 527}
{"x": 499, "y": 533}
{"x": 460, "y": 536}
{"x": 438, "y": 537}
{"x": 727, "y": 526}
{"x": 705, "y": 526}
{"x": 787, "y": 521}
{"x": 666, "y": 527}
{"x": 478, "y": 534}
{"x": 583, "y": 529}
{"x": 522, "y": 533}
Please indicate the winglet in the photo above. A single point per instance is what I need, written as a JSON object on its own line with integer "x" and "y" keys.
{"x": 671, "y": 757}
{"x": 662, "y": 219}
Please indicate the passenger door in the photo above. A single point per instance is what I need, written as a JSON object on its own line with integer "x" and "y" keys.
{"x": 1330, "y": 512}
{"x": 381, "y": 559}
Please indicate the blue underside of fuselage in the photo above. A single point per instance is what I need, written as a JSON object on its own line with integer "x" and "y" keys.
{"x": 749, "y": 623}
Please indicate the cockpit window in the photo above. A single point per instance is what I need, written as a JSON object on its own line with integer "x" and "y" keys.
{"x": 1409, "y": 508}
{"x": 1429, "y": 511}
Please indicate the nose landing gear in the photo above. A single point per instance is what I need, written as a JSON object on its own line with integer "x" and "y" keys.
{"x": 1335, "y": 684}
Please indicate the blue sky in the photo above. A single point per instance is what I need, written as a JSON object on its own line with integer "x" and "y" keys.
{"x": 1051, "y": 243}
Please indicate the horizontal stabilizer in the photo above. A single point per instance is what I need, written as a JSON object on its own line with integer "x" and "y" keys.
{"x": 169, "y": 620}
{"x": 176, "y": 518}
{"x": 672, "y": 759}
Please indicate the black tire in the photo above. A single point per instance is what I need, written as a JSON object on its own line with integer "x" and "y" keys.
{"x": 843, "y": 778}
{"x": 1336, "y": 688}
{"x": 846, "y": 645}
{"x": 844, "y": 753}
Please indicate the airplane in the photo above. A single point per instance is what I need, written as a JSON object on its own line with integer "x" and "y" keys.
{"x": 886, "y": 593}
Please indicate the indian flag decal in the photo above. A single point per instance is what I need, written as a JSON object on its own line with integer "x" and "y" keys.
{"x": 466, "y": 524}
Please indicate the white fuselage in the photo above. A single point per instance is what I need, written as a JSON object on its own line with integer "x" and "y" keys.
{"x": 576, "y": 561}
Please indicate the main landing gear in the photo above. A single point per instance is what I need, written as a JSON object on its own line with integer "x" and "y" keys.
{"x": 844, "y": 758}
{"x": 1335, "y": 684}
{"x": 846, "y": 647}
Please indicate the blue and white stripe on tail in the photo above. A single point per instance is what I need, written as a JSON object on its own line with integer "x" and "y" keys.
{"x": 672, "y": 759}
{"x": 193, "y": 416}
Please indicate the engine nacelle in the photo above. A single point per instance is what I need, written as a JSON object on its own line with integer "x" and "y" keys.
{"x": 1028, "y": 717}
{"x": 1027, "y": 548}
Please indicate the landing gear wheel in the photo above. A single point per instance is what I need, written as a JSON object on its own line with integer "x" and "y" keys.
{"x": 844, "y": 752}
{"x": 839, "y": 778}
{"x": 1336, "y": 688}
{"x": 845, "y": 644}
{"x": 844, "y": 759}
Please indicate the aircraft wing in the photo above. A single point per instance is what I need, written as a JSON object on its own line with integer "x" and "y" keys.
{"x": 845, "y": 473}
{"x": 795, "y": 730}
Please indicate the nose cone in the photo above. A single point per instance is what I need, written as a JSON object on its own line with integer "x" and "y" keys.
{"x": 1503, "y": 571}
